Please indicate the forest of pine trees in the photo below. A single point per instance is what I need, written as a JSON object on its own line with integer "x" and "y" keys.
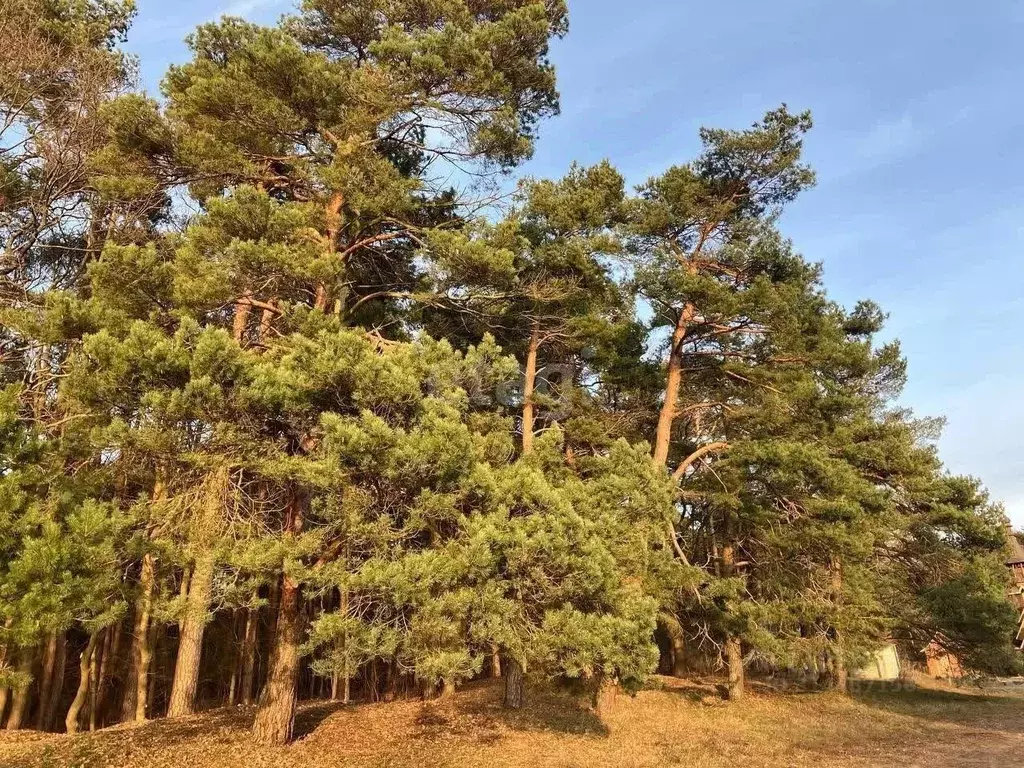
{"x": 294, "y": 404}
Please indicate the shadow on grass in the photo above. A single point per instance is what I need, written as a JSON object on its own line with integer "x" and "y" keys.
{"x": 560, "y": 714}
{"x": 478, "y": 711}
{"x": 963, "y": 708}
{"x": 311, "y": 715}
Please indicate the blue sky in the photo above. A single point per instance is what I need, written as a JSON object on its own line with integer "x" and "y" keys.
{"x": 919, "y": 121}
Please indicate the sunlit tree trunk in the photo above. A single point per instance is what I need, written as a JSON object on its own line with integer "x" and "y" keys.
{"x": 190, "y": 643}
{"x": 673, "y": 383}
{"x": 733, "y": 646}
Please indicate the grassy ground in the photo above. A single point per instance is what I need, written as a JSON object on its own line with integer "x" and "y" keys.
{"x": 683, "y": 724}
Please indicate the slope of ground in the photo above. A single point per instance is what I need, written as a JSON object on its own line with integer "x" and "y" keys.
{"x": 683, "y": 724}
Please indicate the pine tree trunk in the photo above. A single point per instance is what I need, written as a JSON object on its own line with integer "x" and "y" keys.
{"x": 334, "y": 221}
{"x": 242, "y": 311}
{"x": 275, "y": 717}
{"x": 840, "y": 676}
{"x": 236, "y": 667}
{"x": 46, "y": 678}
{"x": 734, "y": 657}
{"x": 496, "y": 664}
{"x": 514, "y": 685}
{"x": 530, "y": 388}
{"x": 733, "y": 647}
{"x": 94, "y": 681}
{"x": 673, "y": 383}
{"x": 57, "y": 688}
{"x": 5, "y": 693}
{"x": 19, "y": 702}
{"x": 190, "y": 643}
{"x": 111, "y": 654}
{"x": 391, "y": 684}
{"x": 249, "y": 656}
{"x": 84, "y": 662}
{"x": 605, "y": 692}
{"x": 678, "y": 649}
{"x": 137, "y": 691}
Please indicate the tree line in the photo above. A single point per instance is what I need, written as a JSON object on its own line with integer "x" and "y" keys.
{"x": 295, "y": 404}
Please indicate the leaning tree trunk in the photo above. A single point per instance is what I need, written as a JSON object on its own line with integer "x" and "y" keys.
{"x": 94, "y": 681}
{"x": 19, "y": 703}
{"x": 514, "y": 687}
{"x": 530, "y": 388}
{"x": 275, "y": 717}
{"x": 673, "y": 383}
{"x": 84, "y": 665}
{"x": 190, "y": 644}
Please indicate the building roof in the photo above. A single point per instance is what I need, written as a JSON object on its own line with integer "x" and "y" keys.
{"x": 1016, "y": 550}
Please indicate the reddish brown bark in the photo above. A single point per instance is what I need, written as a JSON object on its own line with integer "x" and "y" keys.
{"x": 334, "y": 222}
{"x": 241, "y": 321}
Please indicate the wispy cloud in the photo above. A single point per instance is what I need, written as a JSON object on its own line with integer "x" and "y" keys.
{"x": 245, "y": 8}
{"x": 888, "y": 139}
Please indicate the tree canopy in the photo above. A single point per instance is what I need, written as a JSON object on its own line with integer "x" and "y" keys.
{"x": 287, "y": 408}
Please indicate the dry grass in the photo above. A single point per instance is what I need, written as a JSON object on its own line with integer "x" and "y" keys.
{"x": 685, "y": 723}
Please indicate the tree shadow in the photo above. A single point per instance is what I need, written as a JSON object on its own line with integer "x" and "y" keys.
{"x": 310, "y": 716}
{"x": 478, "y": 712}
{"x": 559, "y": 714}
{"x": 968, "y": 708}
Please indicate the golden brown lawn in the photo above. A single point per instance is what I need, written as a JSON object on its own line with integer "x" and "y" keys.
{"x": 684, "y": 724}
